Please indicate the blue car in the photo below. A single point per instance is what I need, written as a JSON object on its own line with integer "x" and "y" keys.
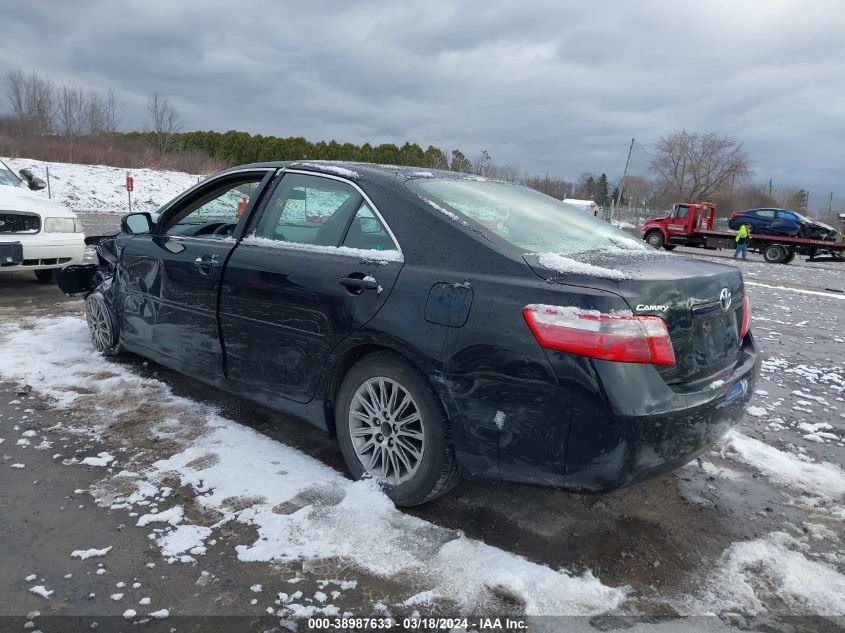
{"x": 782, "y": 222}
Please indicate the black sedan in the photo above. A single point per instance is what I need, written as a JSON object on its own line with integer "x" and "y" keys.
{"x": 440, "y": 325}
{"x": 782, "y": 222}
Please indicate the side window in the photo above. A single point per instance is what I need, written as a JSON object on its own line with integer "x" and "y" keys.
{"x": 367, "y": 232}
{"x": 786, "y": 215}
{"x": 215, "y": 214}
{"x": 682, "y": 212}
{"x": 308, "y": 210}
{"x": 769, "y": 215}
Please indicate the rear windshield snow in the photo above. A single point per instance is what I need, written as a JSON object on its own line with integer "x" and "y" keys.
{"x": 527, "y": 219}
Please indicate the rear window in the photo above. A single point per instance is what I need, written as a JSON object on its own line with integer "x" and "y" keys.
{"x": 527, "y": 219}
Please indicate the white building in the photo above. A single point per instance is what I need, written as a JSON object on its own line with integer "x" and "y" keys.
{"x": 585, "y": 205}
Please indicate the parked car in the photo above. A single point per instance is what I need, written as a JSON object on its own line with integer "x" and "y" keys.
{"x": 782, "y": 222}
{"x": 439, "y": 325}
{"x": 36, "y": 233}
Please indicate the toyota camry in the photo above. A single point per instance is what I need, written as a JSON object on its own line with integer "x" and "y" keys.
{"x": 439, "y": 325}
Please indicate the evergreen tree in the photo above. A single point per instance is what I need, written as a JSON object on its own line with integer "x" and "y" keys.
{"x": 591, "y": 188}
{"x": 601, "y": 191}
{"x": 459, "y": 162}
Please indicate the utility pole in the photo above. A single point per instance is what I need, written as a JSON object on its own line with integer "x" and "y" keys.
{"x": 770, "y": 187}
{"x": 622, "y": 184}
{"x": 830, "y": 204}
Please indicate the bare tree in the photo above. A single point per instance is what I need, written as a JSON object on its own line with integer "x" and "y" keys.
{"x": 694, "y": 167}
{"x": 95, "y": 113}
{"x": 114, "y": 111}
{"x": 164, "y": 121}
{"x": 31, "y": 99}
{"x": 71, "y": 115}
{"x": 483, "y": 164}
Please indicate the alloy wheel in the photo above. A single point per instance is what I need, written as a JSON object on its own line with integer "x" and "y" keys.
{"x": 387, "y": 430}
{"x": 99, "y": 323}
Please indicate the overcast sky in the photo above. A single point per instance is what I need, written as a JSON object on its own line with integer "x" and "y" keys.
{"x": 557, "y": 87}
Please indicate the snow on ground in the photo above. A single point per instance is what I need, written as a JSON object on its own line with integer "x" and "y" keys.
{"x": 752, "y": 571}
{"x": 99, "y": 188}
{"x": 90, "y": 553}
{"x": 300, "y": 508}
{"x": 796, "y": 472}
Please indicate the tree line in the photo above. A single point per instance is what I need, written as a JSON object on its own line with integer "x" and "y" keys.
{"x": 43, "y": 116}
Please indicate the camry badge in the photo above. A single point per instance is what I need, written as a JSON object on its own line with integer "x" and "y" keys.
{"x": 725, "y": 299}
{"x": 652, "y": 308}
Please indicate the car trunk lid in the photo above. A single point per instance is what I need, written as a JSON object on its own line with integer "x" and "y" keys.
{"x": 701, "y": 302}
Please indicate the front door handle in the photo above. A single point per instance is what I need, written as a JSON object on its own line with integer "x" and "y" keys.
{"x": 206, "y": 262}
{"x": 357, "y": 285}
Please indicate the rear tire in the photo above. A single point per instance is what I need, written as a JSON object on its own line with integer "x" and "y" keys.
{"x": 790, "y": 255}
{"x": 774, "y": 254}
{"x": 413, "y": 461}
{"x": 47, "y": 276}
{"x": 655, "y": 238}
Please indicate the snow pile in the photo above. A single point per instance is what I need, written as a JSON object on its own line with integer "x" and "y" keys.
{"x": 41, "y": 590}
{"x": 795, "y": 472}
{"x": 84, "y": 554}
{"x": 309, "y": 513}
{"x": 99, "y": 188}
{"x": 300, "y": 508}
{"x": 767, "y": 574}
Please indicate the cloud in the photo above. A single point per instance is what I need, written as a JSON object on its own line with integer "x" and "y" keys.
{"x": 556, "y": 87}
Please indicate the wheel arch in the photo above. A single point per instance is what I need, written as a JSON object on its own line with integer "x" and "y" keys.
{"x": 342, "y": 360}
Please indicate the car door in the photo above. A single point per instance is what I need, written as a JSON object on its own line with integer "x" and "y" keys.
{"x": 679, "y": 222}
{"x": 172, "y": 275}
{"x": 761, "y": 221}
{"x": 786, "y": 223}
{"x": 318, "y": 264}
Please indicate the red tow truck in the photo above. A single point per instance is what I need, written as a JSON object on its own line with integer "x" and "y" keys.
{"x": 691, "y": 224}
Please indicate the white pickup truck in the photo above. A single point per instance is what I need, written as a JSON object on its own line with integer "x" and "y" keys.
{"x": 36, "y": 233}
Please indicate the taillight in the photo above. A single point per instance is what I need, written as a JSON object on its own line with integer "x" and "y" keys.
{"x": 746, "y": 317}
{"x": 622, "y": 337}
{"x": 735, "y": 215}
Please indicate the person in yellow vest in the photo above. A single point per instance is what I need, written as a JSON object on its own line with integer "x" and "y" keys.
{"x": 743, "y": 235}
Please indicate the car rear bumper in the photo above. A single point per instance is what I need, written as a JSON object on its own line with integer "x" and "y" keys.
{"x": 597, "y": 427}
{"x": 44, "y": 251}
{"x": 657, "y": 429}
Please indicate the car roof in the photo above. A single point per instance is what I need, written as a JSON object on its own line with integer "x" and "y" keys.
{"x": 385, "y": 174}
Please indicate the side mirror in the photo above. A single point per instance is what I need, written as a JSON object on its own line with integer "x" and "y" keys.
{"x": 32, "y": 182}
{"x": 136, "y": 223}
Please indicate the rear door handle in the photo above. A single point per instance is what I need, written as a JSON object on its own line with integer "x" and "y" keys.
{"x": 357, "y": 285}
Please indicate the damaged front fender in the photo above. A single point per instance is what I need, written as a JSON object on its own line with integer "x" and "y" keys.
{"x": 81, "y": 280}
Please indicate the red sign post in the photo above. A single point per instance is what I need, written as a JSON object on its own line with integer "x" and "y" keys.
{"x": 130, "y": 186}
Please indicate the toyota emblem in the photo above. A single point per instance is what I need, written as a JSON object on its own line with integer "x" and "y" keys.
{"x": 725, "y": 299}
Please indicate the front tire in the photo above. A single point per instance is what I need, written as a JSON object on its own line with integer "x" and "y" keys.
{"x": 391, "y": 426}
{"x": 102, "y": 324}
{"x": 655, "y": 238}
{"x": 47, "y": 276}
